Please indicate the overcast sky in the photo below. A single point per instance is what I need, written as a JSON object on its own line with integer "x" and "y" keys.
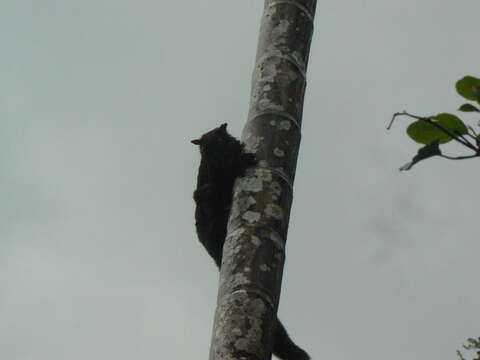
{"x": 99, "y": 258}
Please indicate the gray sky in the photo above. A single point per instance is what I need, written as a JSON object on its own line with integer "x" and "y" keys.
{"x": 98, "y": 254}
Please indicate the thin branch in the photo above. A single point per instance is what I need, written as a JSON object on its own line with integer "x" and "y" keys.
{"x": 441, "y": 128}
{"x": 473, "y": 132}
{"x": 459, "y": 157}
{"x": 466, "y": 140}
{"x": 393, "y": 118}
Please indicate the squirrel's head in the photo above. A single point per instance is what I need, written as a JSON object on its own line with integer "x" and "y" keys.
{"x": 216, "y": 139}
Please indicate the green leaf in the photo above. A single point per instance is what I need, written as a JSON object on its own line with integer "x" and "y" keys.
{"x": 469, "y": 88}
{"x": 423, "y": 153}
{"x": 468, "y": 108}
{"x": 424, "y": 131}
{"x": 452, "y": 123}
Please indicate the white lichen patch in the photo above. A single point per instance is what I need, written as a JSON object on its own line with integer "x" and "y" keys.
{"x": 267, "y": 87}
{"x": 281, "y": 171}
{"x": 256, "y": 240}
{"x": 242, "y": 344}
{"x": 276, "y": 190}
{"x": 231, "y": 248}
{"x": 251, "y": 216}
{"x": 279, "y": 31}
{"x": 251, "y": 184}
{"x": 263, "y": 163}
{"x": 274, "y": 211}
{"x": 254, "y": 143}
{"x": 236, "y": 233}
{"x": 264, "y": 174}
{"x": 239, "y": 279}
{"x": 264, "y": 268}
{"x": 297, "y": 55}
{"x": 267, "y": 104}
{"x": 278, "y": 152}
{"x": 276, "y": 239}
{"x": 245, "y": 336}
{"x": 269, "y": 69}
{"x": 258, "y": 307}
{"x": 236, "y": 331}
{"x": 241, "y": 204}
{"x": 237, "y": 249}
{"x": 284, "y": 125}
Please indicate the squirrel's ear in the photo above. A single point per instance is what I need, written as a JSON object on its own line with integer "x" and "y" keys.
{"x": 223, "y": 127}
{"x": 196, "y": 141}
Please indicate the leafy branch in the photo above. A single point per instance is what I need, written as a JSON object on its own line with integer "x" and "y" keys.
{"x": 432, "y": 131}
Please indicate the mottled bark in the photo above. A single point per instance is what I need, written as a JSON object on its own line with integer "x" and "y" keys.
{"x": 254, "y": 251}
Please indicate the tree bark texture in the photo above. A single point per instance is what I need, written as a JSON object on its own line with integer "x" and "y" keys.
{"x": 254, "y": 250}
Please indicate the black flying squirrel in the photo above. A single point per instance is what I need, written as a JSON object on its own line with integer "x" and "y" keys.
{"x": 223, "y": 159}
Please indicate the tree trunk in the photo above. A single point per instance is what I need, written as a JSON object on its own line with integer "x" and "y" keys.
{"x": 254, "y": 250}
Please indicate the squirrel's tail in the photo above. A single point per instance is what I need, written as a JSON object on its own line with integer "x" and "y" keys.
{"x": 284, "y": 348}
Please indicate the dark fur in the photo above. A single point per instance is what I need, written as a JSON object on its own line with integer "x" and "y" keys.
{"x": 223, "y": 159}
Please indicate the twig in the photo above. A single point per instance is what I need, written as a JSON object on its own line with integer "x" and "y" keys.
{"x": 393, "y": 118}
{"x": 466, "y": 140}
{"x": 473, "y": 132}
{"x": 441, "y": 128}
{"x": 459, "y": 157}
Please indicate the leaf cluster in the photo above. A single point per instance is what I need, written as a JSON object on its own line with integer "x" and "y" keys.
{"x": 432, "y": 131}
